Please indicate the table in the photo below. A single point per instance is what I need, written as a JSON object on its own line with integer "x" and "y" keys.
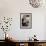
{"x": 31, "y": 43}
{"x": 27, "y": 42}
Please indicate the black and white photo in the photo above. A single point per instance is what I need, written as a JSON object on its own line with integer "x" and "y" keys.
{"x": 25, "y": 20}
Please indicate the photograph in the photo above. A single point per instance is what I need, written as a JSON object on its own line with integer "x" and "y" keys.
{"x": 26, "y": 20}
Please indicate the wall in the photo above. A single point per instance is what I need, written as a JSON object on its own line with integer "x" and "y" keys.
{"x": 13, "y": 8}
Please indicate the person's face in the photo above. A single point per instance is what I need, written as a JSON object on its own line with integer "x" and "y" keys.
{"x": 26, "y": 19}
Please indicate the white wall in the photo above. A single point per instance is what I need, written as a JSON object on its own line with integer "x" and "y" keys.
{"x": 13, "y": 8}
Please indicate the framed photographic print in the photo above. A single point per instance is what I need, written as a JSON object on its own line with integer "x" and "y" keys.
{"x": 26, "y": 20}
